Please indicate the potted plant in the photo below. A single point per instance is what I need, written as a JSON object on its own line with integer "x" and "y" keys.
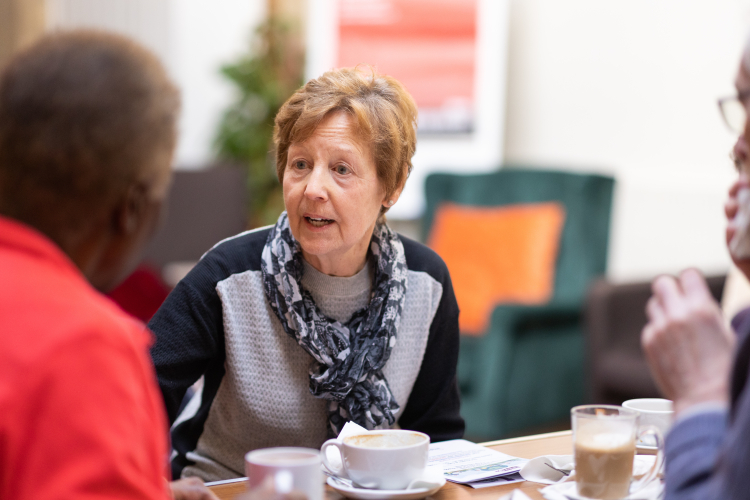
{"x": 265, "y": 78}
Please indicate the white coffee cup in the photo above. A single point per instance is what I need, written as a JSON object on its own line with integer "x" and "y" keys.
{"x": 386, "y": 460}
{"x": 290, "y": 468}
{"x": 654, "y": 411}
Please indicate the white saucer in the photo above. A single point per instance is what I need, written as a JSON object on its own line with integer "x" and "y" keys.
{"x": 365, "y": 494}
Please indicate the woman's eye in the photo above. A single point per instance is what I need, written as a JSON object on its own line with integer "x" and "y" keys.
{"x": 342, "y": 169}
{"x": 300, "y": 164}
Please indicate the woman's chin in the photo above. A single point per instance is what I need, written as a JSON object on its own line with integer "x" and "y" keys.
{"x": 314, "y": 250}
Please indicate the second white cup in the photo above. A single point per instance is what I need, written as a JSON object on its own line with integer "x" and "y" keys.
{"x": 654, "y": 411}
{"x": 385, "y": 460}
{"x": 288, "y": 468}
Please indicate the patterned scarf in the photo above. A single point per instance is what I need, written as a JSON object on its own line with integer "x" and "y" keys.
{"x": 348, "y": 358}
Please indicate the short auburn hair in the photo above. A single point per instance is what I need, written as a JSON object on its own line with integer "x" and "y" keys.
{"x": 83, "y": 114}
{"x": 384, "y": 113}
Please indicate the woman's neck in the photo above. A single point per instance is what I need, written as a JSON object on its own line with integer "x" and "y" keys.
{"x": 341, "y": 265}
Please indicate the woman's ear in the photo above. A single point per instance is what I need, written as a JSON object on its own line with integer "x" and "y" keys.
{"x": 391, "y": 200}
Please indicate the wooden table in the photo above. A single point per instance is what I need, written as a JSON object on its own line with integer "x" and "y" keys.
{"x": 554, "y": 443}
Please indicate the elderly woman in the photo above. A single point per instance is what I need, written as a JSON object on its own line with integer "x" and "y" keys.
{"x": 326, "y": 317}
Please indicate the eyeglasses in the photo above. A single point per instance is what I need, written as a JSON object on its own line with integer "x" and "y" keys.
{"x": 733, "y": 111}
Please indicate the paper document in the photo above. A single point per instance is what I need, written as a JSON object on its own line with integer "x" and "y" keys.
{"x": 466, "y": 462}
{"x": 497, "y": 481}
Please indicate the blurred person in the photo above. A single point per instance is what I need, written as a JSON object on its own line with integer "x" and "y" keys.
{"x": 326, "y": 317}
{"x": 699, "y": 362}
{"x": 87, "y": 132}
{"x": 736, "y": 294}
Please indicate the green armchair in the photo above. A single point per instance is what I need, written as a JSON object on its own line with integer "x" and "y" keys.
{"x": 527, "y": 370}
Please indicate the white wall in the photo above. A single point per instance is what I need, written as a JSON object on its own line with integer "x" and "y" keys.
{"x": 479, "y": 151}
{"x": 194, "y": 38}
{"x": 205, "y": 35}
{"x": 629, "y": 89}
{"x": 624, "y": 88}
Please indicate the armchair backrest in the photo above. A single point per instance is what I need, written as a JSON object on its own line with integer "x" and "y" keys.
{"x": 588, "y": 204}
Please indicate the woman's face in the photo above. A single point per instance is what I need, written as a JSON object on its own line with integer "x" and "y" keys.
{"x": 333, "y": 196}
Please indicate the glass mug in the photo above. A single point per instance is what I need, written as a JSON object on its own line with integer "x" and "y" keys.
{"x": 604, "y": 438}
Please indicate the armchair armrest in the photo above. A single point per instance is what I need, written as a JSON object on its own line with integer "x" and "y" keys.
{"x": 510, "y": 317}
{"x": 485, "y": 362}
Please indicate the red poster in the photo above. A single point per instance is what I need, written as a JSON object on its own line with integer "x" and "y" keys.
{"x": 428, "y": 45}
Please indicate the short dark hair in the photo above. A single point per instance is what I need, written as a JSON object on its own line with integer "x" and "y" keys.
{"x": 83, "y": 114}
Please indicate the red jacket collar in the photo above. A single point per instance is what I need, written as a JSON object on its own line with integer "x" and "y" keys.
{"x": 15, "y": 235}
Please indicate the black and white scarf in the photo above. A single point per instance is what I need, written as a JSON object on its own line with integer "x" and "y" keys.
{"x": 348, "y": 358}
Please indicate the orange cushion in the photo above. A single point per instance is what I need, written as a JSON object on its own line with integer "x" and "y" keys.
{"x": 498, "y": 254}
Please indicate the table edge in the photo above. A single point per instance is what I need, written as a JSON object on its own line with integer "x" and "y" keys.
{"x": 521, "y": 439}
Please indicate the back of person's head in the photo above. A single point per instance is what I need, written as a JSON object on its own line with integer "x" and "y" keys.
{"x": 83, "y": 115}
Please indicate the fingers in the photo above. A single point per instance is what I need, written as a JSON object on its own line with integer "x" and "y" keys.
{"x": 191, "y": 488}
{"x": 694, "y": 286}
{"x": 667, "y": 291}
{"x": 676, "y": 301}
{"x": 657, "y": 320}
{"x": 655, "y": 312}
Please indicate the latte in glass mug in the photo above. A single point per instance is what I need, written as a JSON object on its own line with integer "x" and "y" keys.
{"x": 604, "y": 465}
{"x": 604, "y": 438}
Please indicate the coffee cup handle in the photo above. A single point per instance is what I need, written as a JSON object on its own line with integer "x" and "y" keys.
{"x": 324, "y": 457}
{"x": 651, "y": 474}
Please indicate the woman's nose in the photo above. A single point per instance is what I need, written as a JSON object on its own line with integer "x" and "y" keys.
{"x": 317, "y": 184}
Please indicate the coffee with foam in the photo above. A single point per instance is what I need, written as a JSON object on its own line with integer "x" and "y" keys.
{"x": 604, "y": 438}
{"x": 373, "y": 440}
{"x": 388, "y": 459}
{"x": 604, "y": 465}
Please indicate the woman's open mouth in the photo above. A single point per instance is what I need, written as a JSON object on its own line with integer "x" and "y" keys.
{"x": 318, "y": 222}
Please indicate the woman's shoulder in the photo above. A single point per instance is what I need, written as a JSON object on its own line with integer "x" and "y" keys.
{"x": 246, "y": 246}
{"x": 234, "y": 255}
{"x": 421, "y": 258}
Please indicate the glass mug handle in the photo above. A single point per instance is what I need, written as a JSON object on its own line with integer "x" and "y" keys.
{"x": 654, "y": 470}
{"x": 338, "y": 471}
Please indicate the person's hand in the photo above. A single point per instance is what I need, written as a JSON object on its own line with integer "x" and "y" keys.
{"x": 191, "y": 488}
{"x": 687, "y": 344}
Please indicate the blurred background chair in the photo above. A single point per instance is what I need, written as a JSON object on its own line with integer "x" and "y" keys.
{"x": 615, "y": 316}
{"x": 527, "y": 369}
{"x": 203, "y": 208}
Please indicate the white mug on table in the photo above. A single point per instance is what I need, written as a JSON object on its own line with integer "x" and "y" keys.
{"x": 291, "y": 469}
{"x": 654, "y": 411}
{"x": 386, "y": 460}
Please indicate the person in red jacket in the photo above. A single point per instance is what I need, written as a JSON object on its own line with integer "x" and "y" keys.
{"x": 87, "y": 132}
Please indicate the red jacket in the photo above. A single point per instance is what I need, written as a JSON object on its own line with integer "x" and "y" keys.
{"x": 80, "y": 413}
